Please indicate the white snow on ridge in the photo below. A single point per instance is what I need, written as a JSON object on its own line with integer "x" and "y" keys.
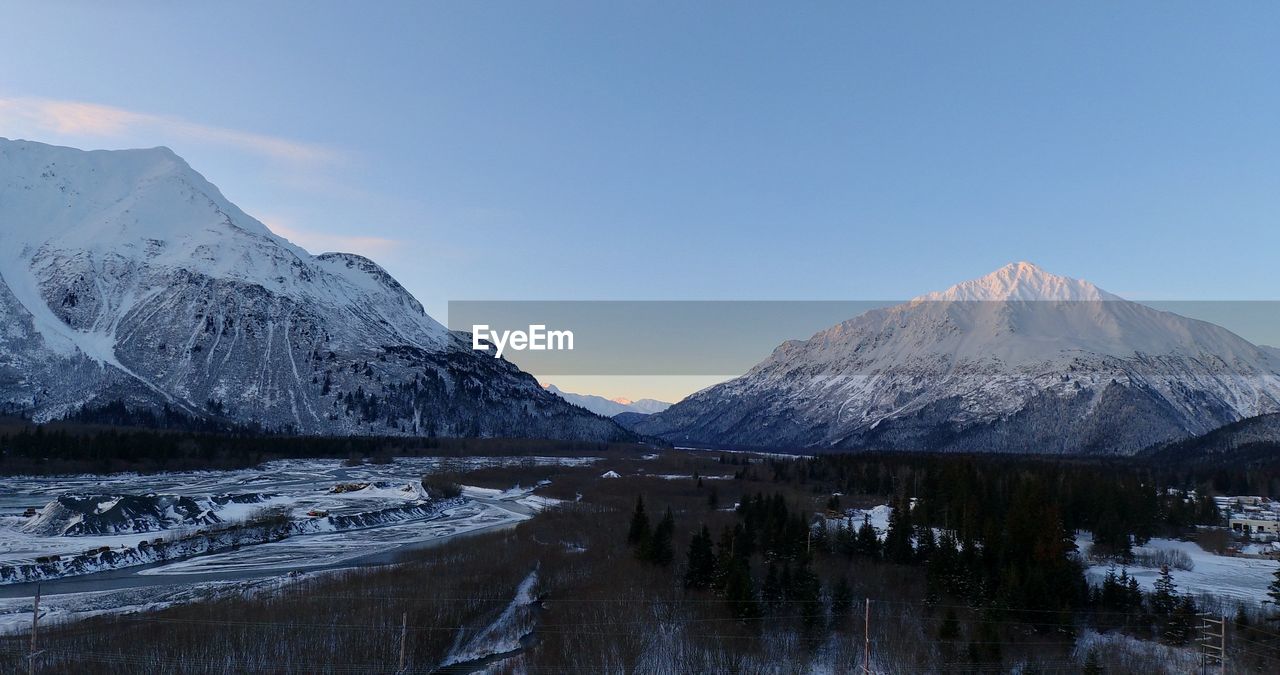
{"x": 1020, "y": 281}
{"x": 1001, "y": 356}
{"x": 130, "y": 209}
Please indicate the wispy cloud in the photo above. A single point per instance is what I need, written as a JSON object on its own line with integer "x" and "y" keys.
{"x": 323, "y": 242}
{"x": 78, "y": 118}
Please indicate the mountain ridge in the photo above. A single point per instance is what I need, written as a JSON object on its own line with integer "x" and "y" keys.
{"x": 1017, "y": 361}
{"x": 610, "y": 407}
{"x": 125, "y": 274}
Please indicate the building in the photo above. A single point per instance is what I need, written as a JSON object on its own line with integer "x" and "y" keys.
{"x": 1255, "y": 526}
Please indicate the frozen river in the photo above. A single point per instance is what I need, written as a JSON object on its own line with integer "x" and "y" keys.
{"x": 295, "y": 487}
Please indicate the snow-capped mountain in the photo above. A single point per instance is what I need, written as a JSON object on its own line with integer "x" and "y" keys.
{"x": 1017, "y": 361}
{"x": 125, "y": 275}
{"x": 608, "y": 407}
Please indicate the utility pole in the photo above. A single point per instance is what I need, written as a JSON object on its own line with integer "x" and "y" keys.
{"x": 35, "y": 628}
{"x": 1213, "y": 643}
{"x": 404, "y": 628}
{"x": 866, "y": 638}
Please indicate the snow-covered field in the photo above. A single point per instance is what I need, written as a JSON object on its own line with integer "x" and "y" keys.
{"x": 1227, "y": 577}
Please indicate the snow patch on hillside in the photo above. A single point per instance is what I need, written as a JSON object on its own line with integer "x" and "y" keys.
{"x": 504, "y": 635}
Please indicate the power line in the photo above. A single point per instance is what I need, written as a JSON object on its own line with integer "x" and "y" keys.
{"x": 1251, "y": 647}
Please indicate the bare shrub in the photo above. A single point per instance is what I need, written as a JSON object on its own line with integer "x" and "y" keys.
{"x": 1173, "y": 558}
{"x": 441, "y": 486}
{"x": 1215, "y": 540}
{"x": 270, "y": 516}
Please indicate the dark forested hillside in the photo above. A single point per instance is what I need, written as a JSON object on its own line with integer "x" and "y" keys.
{"x": 87, "y": 448}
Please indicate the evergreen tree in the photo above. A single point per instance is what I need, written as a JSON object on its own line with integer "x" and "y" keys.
{"x": 897, "y": 543}
{"x": 926, "y": 543}
{"x": 740, "y": 592}
{"x": 1242, "y": 617}
{"x": 868, "y": 543}
{"x": 942, "y": 574}
{"x": 1112, "y": 592}
{"x": 713, "y": 498}
{"x": 1183, "y": 622}
{"x": 817, "y": 535}
{"x": 845, "y": 543}
{"x": 1164, "y": 599}
{"x": 658, "y": 549}
{"x": 1135, "y": 593}
{"x": 1273, "y": 590}
{"x": 638, "y": 535}
{"x": 702, "y": 561}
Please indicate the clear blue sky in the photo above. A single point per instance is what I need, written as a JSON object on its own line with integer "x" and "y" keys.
{"x": 611, "y": 150}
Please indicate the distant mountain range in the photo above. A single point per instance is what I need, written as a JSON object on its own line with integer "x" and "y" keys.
{"x": 1020, "y": 360}
{"x": 609, "y": 407}
{"x": 126, "y": 276}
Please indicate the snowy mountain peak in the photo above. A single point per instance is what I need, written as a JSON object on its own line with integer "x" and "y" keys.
{"x": 111, "y": 199}
{"x": 125, "y": 275}
{"x": 1021, "y": 281}
{"x": 981, "y": 366}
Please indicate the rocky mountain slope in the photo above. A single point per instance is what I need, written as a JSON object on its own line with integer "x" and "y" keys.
{"x": 1017, "y": 361}
{"x": 125, "y": 275}
{"x": 1246, "y": 442}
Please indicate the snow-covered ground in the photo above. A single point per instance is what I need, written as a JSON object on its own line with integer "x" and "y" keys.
{"x": 15, "y": 613}
{"x": 299, "y": 487}
{"x": 296, "y": 487}
{"x": 879, "y": 516}
{"x": 1139, "y": 655}
{"x": 1243, "y": 579}
{"x": 504, "y": 635}
{"x": 1261, "y": 547}
{"x": 756, "y": 453}
{"x": 335, "y": 548}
